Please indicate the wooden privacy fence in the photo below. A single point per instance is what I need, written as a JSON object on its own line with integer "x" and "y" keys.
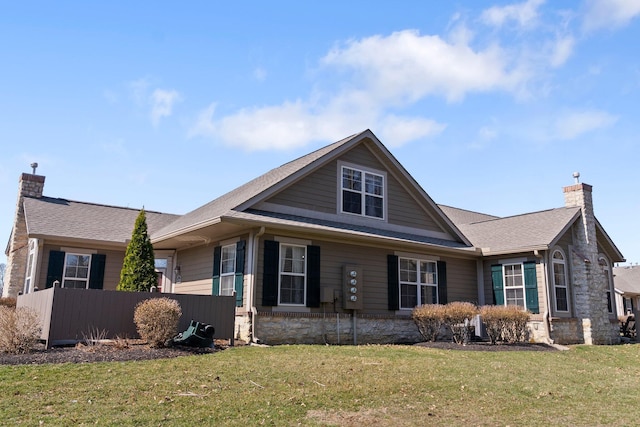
{"x": 69, "y": 315}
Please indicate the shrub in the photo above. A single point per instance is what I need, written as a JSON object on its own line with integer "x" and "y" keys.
{"x": 157, "y": 320}
{"x": 505, "y": 323}
{"x": 8, "y": 302}
{"x": 19, "y": 329}
{"x": 458, "y": 316}
{"x": 429, "y": 319}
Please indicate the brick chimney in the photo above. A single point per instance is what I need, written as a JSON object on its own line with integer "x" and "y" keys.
{"x": 587, "y": 277}
{"x": 30, "y": 185}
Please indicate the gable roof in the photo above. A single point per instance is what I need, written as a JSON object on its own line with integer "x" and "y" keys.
{"x": 526, "y": 232}
{"x": 81, "y": 221}
{"x": 627, "y": 279}
{"x": 260, "y": 188}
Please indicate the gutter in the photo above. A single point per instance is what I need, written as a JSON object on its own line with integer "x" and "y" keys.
{"x": 252, "y": 288}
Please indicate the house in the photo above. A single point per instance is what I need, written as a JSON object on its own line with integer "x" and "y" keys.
{"x": 627, "y": 288}
{"x": 338, "y": 246}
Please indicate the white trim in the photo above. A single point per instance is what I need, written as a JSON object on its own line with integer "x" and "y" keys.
{"x": 416, "y": 256}
{"x": 523, "y": 286}
{"x": 228, "y": 242}
{"x": 292, "y": 274}
{"x": 64, "y": 269}
{"x": 80, "y": 251}
{"x": 418, "y": 284}
{"x": 565, "y": 264}
{"x": 292, "y": 241}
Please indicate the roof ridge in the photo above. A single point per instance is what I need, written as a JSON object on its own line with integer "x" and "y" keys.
{"x": 98, "y": 204}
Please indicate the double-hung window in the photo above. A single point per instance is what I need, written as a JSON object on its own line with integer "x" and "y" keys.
{"x": 227, "y": 269}
{"x": 293, "y": 274}
{"x": 362, "y": 192}
{"x": 560, "y": 281}
{"x": 76, "y": 271}
{"x": 514, "y": 285}
{"x": 418, "y": 282}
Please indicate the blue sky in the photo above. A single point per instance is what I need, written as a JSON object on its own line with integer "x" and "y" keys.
{"x": 491, "y": 106}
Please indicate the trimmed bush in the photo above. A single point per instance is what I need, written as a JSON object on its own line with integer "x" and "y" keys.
{"x": 8, "y": 302}
{"x": 458, "y": 316}
{"x": 157, "y": 320}
{"x": 19, "y": 329}
{"x": 505, "y": 323}
{"x": 429, "y": 318}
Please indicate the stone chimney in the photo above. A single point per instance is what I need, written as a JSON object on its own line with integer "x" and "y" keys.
{"x": 30, "y": 185}
{"x": 587, "y": 277}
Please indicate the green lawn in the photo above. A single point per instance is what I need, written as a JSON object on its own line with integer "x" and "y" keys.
{"x": 322, "y": 385}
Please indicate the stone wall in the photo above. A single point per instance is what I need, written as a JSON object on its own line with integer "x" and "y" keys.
{"x": 312, "y": 328}
{"x": 18, "y": 248}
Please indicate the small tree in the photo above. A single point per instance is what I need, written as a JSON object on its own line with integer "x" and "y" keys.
{"x": 138, "y": 272}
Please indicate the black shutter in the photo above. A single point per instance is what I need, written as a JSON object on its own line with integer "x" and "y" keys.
{"x": 442, "y": 282}
{"x": 96, "y": 276}
{"x": 239, "y": 277}
{"x": 270, "y": 273}
{"x": 55, "y": 269}
{"x": 393, "y": 282}
{"x": 215, "y": 283}
{"x": 313, "y": 276}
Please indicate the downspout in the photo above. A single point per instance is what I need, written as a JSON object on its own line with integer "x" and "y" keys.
{"x": 547, "y": 309}
{"x": 252, "y": 285}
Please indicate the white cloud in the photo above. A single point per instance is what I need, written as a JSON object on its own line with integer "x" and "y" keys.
{"x": 260, "y": 74}
{"x": 162, "y": 104}
{"x": 524, "y": 14}
{"x": 561, "y": 51}
{"x": 139, "y": 90}
{"x": 574, "y": 124}
{"x": 610, "y": 13}
{"x": 396, "y": 131}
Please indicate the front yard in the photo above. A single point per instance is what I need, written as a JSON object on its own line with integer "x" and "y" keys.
{"x": 326, "y": 385}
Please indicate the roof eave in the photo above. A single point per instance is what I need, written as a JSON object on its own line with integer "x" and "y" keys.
{"x": 489, "y": 252}
{"x": 184, "y": 230}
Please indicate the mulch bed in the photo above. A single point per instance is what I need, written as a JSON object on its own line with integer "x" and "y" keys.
{"x": 102, "y": 353}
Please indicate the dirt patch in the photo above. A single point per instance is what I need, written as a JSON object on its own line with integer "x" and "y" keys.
{"x": 106, "y": 352}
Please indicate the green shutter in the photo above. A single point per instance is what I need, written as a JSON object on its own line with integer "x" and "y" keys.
{"x": 239, "y": 277}
{"x": 393, "y": 282}
{"x": 215, "y": 288}
{"x": 96, "y": 276}
{"x": 56, "y": 268}
{"x": 270, "y": 273}
{"x": 498, "y": 287}
{"x": 313, "y": 276}
{"x": 531, "y": 287}
{"x": 442, "y": 282}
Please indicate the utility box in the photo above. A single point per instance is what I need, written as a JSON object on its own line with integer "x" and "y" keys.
{"x": 352, "y": 285}
{"x": 326, "y": 294}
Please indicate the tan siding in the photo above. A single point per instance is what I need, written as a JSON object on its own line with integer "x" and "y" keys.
{"x": 196, "y": 269}
{"x": 461, "y": 275}
{"x": 113, "y": 265}
{"x": 316, "y": 192}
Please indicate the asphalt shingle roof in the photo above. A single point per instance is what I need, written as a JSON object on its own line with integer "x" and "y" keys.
{"x": 238, "y": 196}
{"x": 48, "y": 216}
{"x": 530, "y": 230}
{"x": 627, "y": 279}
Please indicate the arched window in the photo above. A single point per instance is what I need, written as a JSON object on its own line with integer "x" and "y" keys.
{"x": 604, "y": 264}
{"x": 560, "y": 281}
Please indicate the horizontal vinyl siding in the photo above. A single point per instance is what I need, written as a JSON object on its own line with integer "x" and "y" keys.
{"x": 113, "y": 265}
{"x": 404, "y": 210}
{"x": 461, "y": 275}
{"x": 196, "y": 270}
{"x": 316, "y": 192}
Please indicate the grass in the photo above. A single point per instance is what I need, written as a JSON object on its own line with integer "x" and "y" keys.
{"x": 319, "y": 385}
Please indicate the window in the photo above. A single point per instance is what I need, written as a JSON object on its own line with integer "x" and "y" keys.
{"x": 607, "y": 280}
{"x": 292, "y": 274}
{"x": 514, "y": 285}
{"x": 76, "y": 271}
{"x": 30, "y": 268}
{"x": 227, "y": 269}
{"x": 418, "y": 282}
{"x": 362, "y": 193}
{"x": 560, "y": 281}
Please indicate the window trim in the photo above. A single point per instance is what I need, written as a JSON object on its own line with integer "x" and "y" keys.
{"x": 609, "y": 292}
{"x": 281, "y": 273}
{"x": 363, "y": 194}
{"x": 419, "y": 285}
{"x": 232, "y": 273}
{"x": 64, "y": 270}
{"x": 30, "y": 272}
{"x": 564, "y": 264}
{"x": 505, "y": 287}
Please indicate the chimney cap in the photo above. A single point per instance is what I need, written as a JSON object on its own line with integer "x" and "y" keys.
{"x": 576, "y": 177}
{"x": 34, "y": 166}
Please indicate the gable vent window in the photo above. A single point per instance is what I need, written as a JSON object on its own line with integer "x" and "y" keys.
{"x": 362, "y": 193}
